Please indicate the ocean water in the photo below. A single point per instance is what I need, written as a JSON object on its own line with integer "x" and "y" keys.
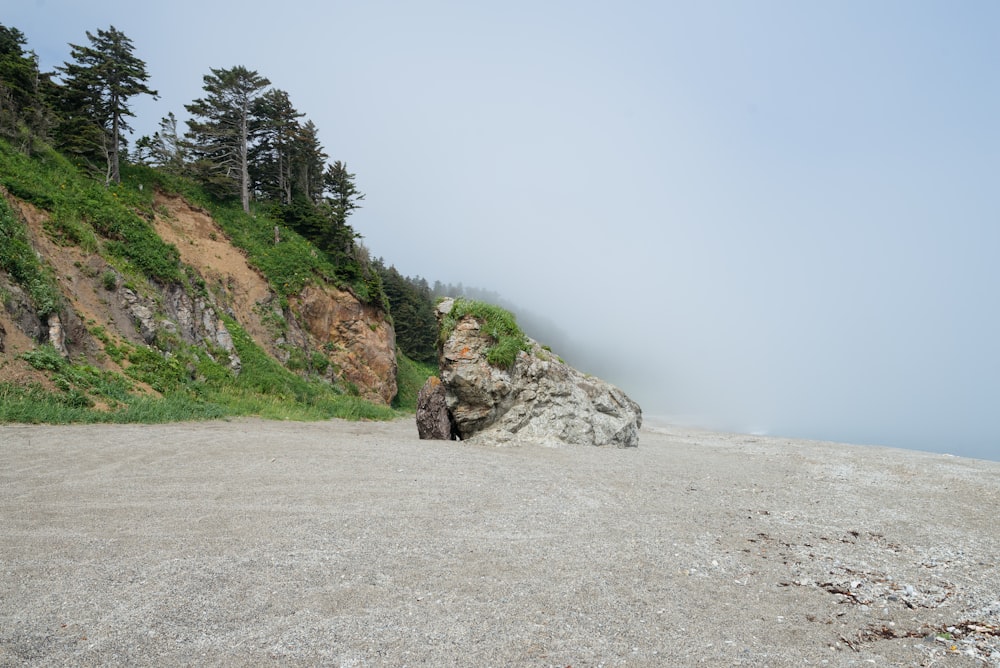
{"x": 957, "y": 445}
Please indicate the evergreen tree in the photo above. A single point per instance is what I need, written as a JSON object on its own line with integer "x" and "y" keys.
{"x": 412, "y": 309}
{"x": 343, "y": 198}
{"x": 276, "y": 125}
{"x": 24, "y": 114}
{"x": 309, "y": 162}
{"x": 165, "y": 149}
{"x": 223, "y": 126}
{"x": 96, "y": 90}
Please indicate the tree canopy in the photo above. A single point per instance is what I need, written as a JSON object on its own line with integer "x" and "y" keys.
{"x": 94, "y": 97}
{"x": 222, "y": 127}
{"x": 24, "y": 112}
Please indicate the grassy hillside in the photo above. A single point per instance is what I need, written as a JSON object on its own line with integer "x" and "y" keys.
{"x": 117, "y": 378}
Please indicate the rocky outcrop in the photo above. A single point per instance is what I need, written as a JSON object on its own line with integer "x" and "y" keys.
{"x": 18, "y": 306}
{"x": 57, "y": 335}
{"x": 539, "y": 399}
{"x": 433, "y": 419}
{"x": 356, "y": 338}
{"x": 192, "y": 319}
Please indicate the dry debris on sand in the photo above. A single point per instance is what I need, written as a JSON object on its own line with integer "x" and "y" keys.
{"x": 252, "y": 542}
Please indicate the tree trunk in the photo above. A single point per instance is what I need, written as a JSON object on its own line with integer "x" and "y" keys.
{"x": 244, "y": 163}
{"x": 113, "y": 167}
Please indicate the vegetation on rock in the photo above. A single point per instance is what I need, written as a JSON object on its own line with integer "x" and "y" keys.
{"x": 497, "y": 322}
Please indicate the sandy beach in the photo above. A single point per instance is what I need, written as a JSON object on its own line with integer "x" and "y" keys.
{"x": 356, "y": 544}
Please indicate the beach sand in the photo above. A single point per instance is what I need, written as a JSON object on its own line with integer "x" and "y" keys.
{"x": 249, "y": 542}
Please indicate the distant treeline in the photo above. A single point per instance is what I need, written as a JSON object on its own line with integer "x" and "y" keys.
{"x": 412, "y": 301}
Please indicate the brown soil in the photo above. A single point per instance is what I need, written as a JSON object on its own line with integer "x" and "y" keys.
{"x": 12, "y": 369}
{"x": 204, "y": 246}
{"x": 79, "y": 275}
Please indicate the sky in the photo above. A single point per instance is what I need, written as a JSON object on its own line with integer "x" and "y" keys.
{"x": 773, "y": 217}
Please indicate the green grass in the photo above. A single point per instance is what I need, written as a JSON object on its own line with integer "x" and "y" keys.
{"x": 410, "y": 377}
{"x": 192, "y": 386}
{"x": 82, "y": 210}
{"x": 18, "y": 259}
{"x": 498, "y": 323}
{"x": 33, "y": 404}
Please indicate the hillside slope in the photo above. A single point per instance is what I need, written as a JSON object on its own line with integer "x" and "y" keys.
{"x": 114, "y": 321}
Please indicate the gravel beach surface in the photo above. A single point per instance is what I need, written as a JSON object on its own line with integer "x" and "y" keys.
{"x": 356, "y": 544}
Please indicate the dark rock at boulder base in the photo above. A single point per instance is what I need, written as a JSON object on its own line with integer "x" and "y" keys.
{"x": 433, "y": 420}
{"x": 539, "y": 399}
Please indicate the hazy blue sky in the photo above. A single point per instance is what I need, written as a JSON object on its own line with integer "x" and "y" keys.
{"x": 774, "y": 216}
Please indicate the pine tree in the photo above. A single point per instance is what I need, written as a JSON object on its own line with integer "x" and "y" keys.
{"x": 222, "y": 130}
{"x": 309, "y": 162}
{"x": 412, "y": 309}
{"x": 276, "y": 125}
{"x": 95, "y": 94}
{"x": 169, "y": 149}
{"x": 24, "y": 114}
{"x": 342, "y": 193}
{"x": 343, "y": 198}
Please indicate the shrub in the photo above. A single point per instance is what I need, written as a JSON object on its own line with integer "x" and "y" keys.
{"x": 18, "y": 259}
{"x": 44, "y": 358}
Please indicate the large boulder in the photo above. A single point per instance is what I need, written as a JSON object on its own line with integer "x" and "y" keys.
{"x": 433, "y": 420}
{"x": 538, "y": 399}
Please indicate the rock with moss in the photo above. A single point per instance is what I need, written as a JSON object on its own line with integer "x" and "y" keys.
{"x": 535, "y": 398}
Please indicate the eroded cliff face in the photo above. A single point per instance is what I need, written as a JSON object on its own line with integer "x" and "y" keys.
{"x": 355, "y": 337}
{"x": 356, "y": 340}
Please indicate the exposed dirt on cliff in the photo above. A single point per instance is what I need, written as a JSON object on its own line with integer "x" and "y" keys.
{"x": 90, "y": 304}
{"x": 205, "y": 247}
{"x": 357, "y": 339}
